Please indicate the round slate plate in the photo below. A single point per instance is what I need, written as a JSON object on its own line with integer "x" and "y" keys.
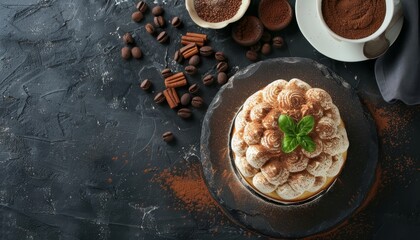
{"x": 249, "y": 209}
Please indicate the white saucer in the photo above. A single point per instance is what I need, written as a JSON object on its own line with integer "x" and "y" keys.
{"x": 311, "y": 27}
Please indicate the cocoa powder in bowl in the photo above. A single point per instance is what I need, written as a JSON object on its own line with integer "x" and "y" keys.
{"x": 275, "y": 14}
{"x": 353, "y": 19}
{"x": 216, "y": 10}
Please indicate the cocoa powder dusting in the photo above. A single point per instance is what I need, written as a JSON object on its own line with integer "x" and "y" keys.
{"x": 189, "y": 188}
{"x": 216, "y": 10}
{"x": 353, "y": 19}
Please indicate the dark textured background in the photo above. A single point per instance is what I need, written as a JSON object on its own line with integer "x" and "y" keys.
{"x": 72, "y": 118}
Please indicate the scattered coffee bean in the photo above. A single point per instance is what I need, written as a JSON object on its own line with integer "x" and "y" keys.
{"x": 184, "y": 113}
{"x": 128, "y": 38}
{"x": 149, "y": 28}
{"x": 206, "y": 51}
{"x": 159, "y": 98}
{"x": 256, "y": 47}
{"x": 193, "y": 88}
{"x": 222, "y": 78}
{"x": 194, "y": 60}
{"x": 168, "y": 137}
{"x": 162, "y": 37}
{"x": 266, "y": 37}
{"x": 166, "y": 73}
{"x": 157, "y": 11}
{"x": 159, "y": 21}
{"x": 145, "y": 84}
{"x": 142, "y": 6}
{"x": 178, "y": 56}
{"x": 185, "y": 99}
{"x": 136, "y": 52}
{"x": 190, "y": 70}
{"x": 197, "y": 102}
{"x": 222, "y": 67}
{"x": 252, "y": 55}
{"x": 278, "y": 42}
{"x": 220, "y": 56}
{"x": 266, "y": 49}
{"x": 176, "y": 22}
{"x": 208, "y": 80}
{"x": 126, "y": 53}
{"x": 137, "y": 16}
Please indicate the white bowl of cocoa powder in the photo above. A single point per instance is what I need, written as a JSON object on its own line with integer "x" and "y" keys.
{"x": 216, "y": 14}
{"x": 355, "y": 21}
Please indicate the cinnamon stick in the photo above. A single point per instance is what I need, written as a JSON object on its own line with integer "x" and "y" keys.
{"x": 171, "y": 97}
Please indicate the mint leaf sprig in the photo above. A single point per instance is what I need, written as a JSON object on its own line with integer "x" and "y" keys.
{"x": 296, "y": 134}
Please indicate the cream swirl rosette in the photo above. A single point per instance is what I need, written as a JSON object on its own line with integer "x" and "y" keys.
{"x": 257, "y": 148}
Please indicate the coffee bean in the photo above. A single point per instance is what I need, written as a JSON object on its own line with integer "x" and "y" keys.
{"x": 159, "y": 21}
{"x": 278, "y": 42}
{"x": 222, "y": 78}
{"x": 252, "y": 55}
{"x": 185, "y": 99}
{"x": 193, "y": 88}
{"x": 168, "y": 137}
{"x": 142, "y": 6}
{"x": 184, "y": 113}
{"x": 256, "y": 47}
{"x": 136, "y": 52}
{"x": 149, "y": 28}
{"x": 194, "y": 60}
{"x": 162, "y": 37}
{"x": 220, "y": 57}
{"x": 166, "y": 73}
{"x": 137, "y": 16}
{"x": 266, "y": 37}
{"x": 206, "y": 51}
{"x": 157, "y": 11}
{"x": 190, "y": 70}
{"x": 208, "y": 80}
{"x": 145, "y": 84}
{"x": 176, "y": 22}
{"x": 128, "y": 38}
{"x": 266, "y": 49}
{"x": 126, "y": 53}
{"x": 222, "y": 67}
{"x": 178, "y": 56}
{"x": 159, "y": 98}
{"x": 197, "y": 102}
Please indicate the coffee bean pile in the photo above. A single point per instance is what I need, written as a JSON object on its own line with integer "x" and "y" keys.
{"x": 195, "y": 50}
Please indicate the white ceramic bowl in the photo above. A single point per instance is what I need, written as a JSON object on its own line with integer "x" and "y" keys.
{"x": 189, "y": 4}
{"x": 389, "y": 12}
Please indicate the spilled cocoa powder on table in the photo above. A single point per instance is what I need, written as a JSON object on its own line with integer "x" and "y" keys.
{"x": 216, "y": 10}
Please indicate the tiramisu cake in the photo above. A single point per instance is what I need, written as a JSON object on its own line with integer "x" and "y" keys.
{"x": 289, "y": 141}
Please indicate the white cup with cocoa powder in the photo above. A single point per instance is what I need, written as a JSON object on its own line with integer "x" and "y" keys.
{"x": 355, "y": 21}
